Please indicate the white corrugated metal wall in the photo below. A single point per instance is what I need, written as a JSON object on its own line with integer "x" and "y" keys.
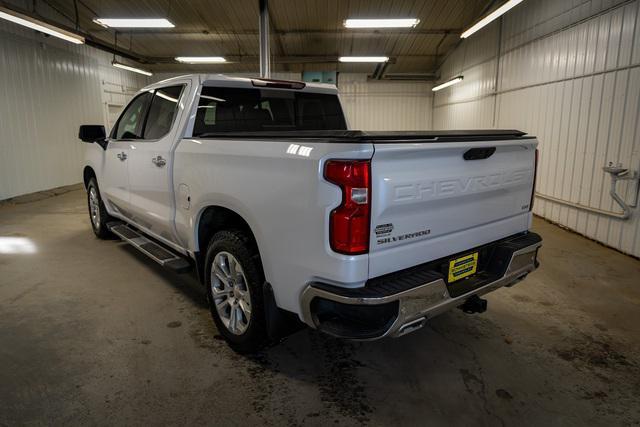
{"x": 385, "y": 105}
{"x": 568, "y": 72}
{"x": 48, "y": 88}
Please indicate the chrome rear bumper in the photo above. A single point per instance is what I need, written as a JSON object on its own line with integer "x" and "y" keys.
{"x": 422, "y": 302}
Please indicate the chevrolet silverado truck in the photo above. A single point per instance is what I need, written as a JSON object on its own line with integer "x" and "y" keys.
{"x": 260, "y": 188}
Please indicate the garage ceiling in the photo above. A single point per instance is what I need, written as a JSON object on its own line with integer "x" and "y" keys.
{"x": 306, "y": 34}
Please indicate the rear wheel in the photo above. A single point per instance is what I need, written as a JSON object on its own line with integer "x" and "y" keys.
{"x": 234, "y": 281}
{"x": 97, "y": 212}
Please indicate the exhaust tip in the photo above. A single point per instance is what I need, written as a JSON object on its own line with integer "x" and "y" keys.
{"x": 411, "y": 326}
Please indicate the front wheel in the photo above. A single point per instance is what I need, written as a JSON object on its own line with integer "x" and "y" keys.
{"x": 234, "y": 281}
{"x": 97, "y": 212}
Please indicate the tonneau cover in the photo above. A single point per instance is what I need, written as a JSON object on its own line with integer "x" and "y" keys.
{"x": 381, "y": 136}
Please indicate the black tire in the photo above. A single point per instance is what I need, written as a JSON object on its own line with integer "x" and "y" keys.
{"x": 99, "y": 226}
{"x": 238, "y": 244}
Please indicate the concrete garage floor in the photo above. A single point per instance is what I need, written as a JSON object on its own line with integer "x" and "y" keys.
{"x": 91, "y": 332}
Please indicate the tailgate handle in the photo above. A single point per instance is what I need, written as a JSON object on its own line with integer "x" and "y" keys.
{"x": 479, "y": 153}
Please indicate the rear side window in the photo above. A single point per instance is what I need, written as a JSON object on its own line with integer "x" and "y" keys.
{"x": 238, "y": 109}
{"x": 131, "y": 121}
{"x": 162, "y": 112}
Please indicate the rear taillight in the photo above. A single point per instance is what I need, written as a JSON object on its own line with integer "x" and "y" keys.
{"x": 535, "y": 174}
{"x": 349, "y": 222}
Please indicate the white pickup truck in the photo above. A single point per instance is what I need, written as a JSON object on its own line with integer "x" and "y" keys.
{"x": 284, "y": 213}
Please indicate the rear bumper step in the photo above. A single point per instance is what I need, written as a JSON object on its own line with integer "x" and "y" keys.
{"x": 401, "y": 302}
{"x": 160, "y": 254}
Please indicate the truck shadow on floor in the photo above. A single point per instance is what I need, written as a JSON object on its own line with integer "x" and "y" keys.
{"x": 339, "y": 370}
{"x": 187, "y": 284}
{"x": 472, "y": 358}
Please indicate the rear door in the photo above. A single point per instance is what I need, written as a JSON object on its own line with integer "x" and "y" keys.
{"x": 150, "y": 164}
{"x": 429, "y": 202}
{"x": 114, "y": 185}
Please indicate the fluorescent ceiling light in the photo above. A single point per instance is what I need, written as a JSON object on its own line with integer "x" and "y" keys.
{"x": 491, "y": 17}
{"x": 448, "y": 83}
{"x": 134, "y": 22}
{"x": 43, "y": 27}
{"x": 381, "y": 23}
{"x": 363, "y": 58}
{"x": 130, "y": 68}
{"x": 201, "y": 59}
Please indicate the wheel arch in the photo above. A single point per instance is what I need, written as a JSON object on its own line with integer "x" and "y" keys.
{"x": 214, "y": 218}
{"x": 87, "y": 174}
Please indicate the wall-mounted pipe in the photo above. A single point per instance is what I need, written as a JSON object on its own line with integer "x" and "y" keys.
{"x": 617, "y": 173}
{"x": 580, "y": 206}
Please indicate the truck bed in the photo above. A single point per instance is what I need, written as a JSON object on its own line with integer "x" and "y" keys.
{"x": 434, "y": 193}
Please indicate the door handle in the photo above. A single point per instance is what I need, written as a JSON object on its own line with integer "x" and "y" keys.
{"x": 122, "y": 156}
{"x": 158, "y": 161}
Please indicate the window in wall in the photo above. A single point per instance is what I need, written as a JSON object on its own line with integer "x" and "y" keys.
{"x": 209, "y": 113}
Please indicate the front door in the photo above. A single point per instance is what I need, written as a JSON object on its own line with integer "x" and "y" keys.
{"x": 114, "y": 185}
{"x": 150, "y": 180}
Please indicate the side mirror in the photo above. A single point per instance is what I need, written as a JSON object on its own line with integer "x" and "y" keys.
{"x": 92, "y": 133}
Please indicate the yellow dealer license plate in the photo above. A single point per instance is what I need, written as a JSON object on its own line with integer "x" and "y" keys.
{"x": 462, "y": 267}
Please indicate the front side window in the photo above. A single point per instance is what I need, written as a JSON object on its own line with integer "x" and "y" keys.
{"x": 131, "y": 121}
{"x": 162, "y": 112}
{"x": 239, "y": 109}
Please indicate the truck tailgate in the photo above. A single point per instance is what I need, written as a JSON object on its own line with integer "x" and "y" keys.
{"x": 429, "y": 202}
